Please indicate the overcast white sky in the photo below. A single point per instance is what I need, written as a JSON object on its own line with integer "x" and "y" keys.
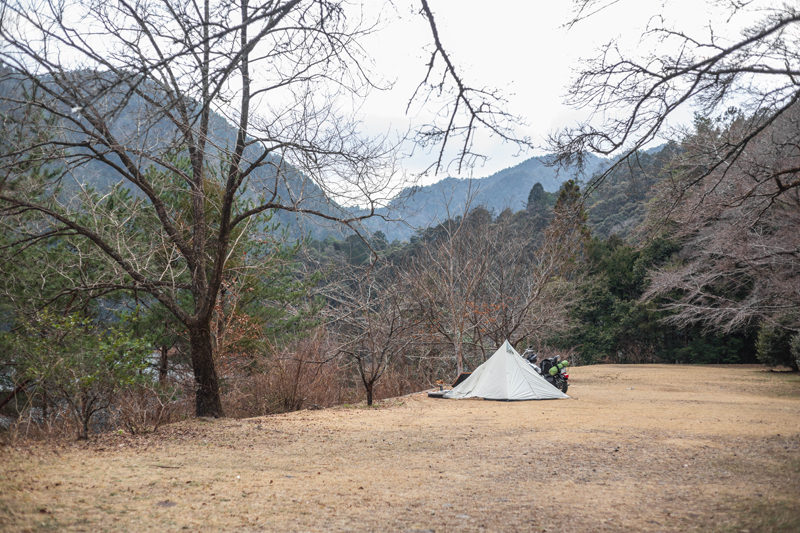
{"x": 520, "y": 47}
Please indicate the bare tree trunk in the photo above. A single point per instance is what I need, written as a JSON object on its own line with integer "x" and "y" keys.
{"x": 45, "y": 401}
{"x": 369, "y": 387}
{"x": 83, "y": 434}
{"x": 162, "y": 365}
{"x": 459, "y": 358}
{"x": 83, "y": 412}
{"x": 205, "y": 373}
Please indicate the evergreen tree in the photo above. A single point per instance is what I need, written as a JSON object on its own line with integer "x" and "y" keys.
{"x": 774, "y": 346}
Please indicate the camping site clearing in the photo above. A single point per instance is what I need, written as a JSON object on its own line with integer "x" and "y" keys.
{"x": 662, "y": 448}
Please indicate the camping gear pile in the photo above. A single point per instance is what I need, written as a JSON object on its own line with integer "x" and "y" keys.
{"x": 504, "y": 376}
{"x": 552, "y": 369}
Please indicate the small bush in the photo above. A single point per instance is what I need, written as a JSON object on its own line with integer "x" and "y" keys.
{"x": 75, "y": 364}
{"x": 302, "y": 374}
{"x": 145, "y": 408}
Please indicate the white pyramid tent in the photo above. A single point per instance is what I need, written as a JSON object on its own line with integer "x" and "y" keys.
{"x": 505, "y": 376}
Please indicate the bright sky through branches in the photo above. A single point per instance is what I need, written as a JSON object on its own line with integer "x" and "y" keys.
{"x": 523, "y": 49}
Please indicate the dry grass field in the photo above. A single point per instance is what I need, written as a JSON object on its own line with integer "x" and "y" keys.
{"x": 658, "y": 448}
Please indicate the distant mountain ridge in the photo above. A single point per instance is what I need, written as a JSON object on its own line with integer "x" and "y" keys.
{"x": 415, "y": 208}
{"x": 421, "y": 207}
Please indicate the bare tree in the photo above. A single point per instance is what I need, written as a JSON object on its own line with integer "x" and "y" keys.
{"x": 732, "y": 197}
{"x": 444, "y": 278}
{"x": 531, "y": 276}
{"x": 740, "y": 263}
{"x": 633, "y": 96}
{"x": 466, "y": 109}
{"x": 137, "y": 92}
{"x": 143, "y": 94}
{"x": 373, "y": 322}
{"x": 477, "y": 282}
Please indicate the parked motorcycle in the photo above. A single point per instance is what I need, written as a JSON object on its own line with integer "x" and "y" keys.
{"x": 550, "y": 368}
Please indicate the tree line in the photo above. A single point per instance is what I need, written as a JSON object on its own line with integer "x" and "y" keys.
{"x": 312, "y": 322}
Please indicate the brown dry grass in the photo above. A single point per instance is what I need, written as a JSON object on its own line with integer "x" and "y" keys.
{"x": 663, "y": 448}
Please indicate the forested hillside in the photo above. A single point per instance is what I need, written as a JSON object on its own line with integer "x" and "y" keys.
{"x": 616, "y": 208}
{"x": 619, "y": 207}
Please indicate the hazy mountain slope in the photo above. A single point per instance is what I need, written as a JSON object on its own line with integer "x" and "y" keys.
{"x": 421, "y": 207}
{"x": 134, "y": 123}
{"x": 616, "y": 207}
{"x": 619, "y": 205}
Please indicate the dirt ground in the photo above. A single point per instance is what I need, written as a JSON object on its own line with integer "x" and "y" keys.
{"x": 659, "y": 448}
